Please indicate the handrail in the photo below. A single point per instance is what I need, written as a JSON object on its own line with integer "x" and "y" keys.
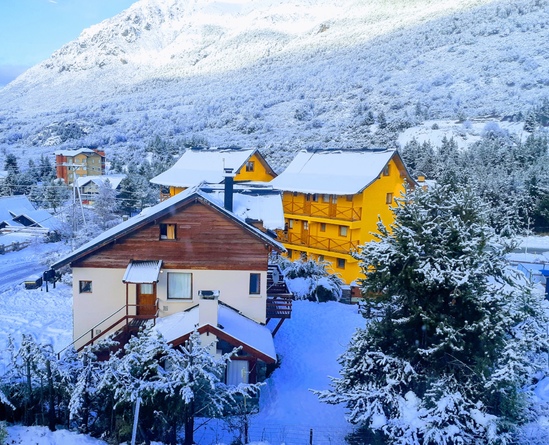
{"x": 104, "y": 331}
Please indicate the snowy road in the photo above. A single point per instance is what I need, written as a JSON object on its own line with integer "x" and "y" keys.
{"x": 47, "y": 316}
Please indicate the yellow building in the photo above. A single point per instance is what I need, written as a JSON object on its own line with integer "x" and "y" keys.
{"x": 209, "y": 165}
{"x": 74, "y": 164}
{"x": 333, "y": 201}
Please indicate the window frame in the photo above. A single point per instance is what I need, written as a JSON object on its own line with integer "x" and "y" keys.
{"x": 340, "y": 263}
{"x": 254, "y": 284}
{"x": 190, "y": 289}
{"x": 323, "y": 227}
{"x": 85, "y": 286}
{"x": 343, "y": 231}
{"x": 167, "y": 235}
{"x": 250, "y": 166}
{"x": 389, "y": 198}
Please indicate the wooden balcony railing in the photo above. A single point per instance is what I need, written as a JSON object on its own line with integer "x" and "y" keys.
{"x": 318, "y": 242}
{"x": 323, "y": 210}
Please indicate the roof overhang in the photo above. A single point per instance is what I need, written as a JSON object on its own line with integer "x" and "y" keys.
{"x": 142, "y": 272}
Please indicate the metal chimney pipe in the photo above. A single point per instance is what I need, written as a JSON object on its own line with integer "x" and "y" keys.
{"x": 229, "y": 189}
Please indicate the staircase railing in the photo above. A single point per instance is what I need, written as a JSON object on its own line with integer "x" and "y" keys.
{"x": 125, "y": 318}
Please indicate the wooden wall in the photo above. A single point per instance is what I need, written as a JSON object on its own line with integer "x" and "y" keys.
{"x": 206, "y": 239}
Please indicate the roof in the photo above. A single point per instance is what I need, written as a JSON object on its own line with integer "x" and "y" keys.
{"x": 115, "y": 180}
{"x": 12, "y": 206}
{"x": 196, "y": 166}
{"x": 254, "y": 203}
{"x": 142, "y": 272}
{"x": 150, "y": 214}
{"x": 15, "y": 207}
{"x": 86, "y": 151}
{"x": 242, "y": 331}
{"x": 334, "y": 172}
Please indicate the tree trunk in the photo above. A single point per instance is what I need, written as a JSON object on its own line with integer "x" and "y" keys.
{"x": 51, "y": 397}
{"x": 189, "y": 424}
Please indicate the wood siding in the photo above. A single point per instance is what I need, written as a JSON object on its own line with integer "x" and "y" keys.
{"x": 205, "y": 239}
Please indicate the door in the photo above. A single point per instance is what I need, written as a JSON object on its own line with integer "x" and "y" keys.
{"x": 305, "y": 233}
{"x": 146, "y": 299}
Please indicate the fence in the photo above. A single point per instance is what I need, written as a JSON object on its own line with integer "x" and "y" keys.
{"x": 13, "y": 247}
{"x": 273, "y": 434}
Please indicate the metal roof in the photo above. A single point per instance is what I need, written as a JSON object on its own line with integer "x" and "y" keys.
{"x": 142, "y": 272}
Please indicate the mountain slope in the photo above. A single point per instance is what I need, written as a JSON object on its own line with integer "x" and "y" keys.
{"x": 281, "y": 74}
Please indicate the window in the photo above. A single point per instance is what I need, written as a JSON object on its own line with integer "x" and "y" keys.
{"x": 315, "y": 197}
{"x": 85, "y": 287}
{"x": 291, "y": 223}
{"x": 325, "y": 198}
{"x": 167, "y": 231}
{"x": 389, "y": 198}
{"x": 349, "y": 198}
{"x": 305, "y": 225}
{"x": 320, "y": 258}
{"x": 237, "y": 372}
{"x": 180, "y": 286}
{"x": 343, "y": 230}
{"x": 323, "y": 227}
{"x": 340, "y": 263}
{"x": 250, "y": 165}
{"x": 255, "y": 283}
{"x": 386, "y": 170}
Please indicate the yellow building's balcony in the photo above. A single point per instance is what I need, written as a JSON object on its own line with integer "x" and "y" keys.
{"x": 318, "y": 242}
{"x": 322, "y": 210}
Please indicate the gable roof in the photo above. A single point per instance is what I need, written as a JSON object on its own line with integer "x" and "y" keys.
{"x": 232, "y": 327}
{"x": 196, "y": 166}
{"x": 114, "y": 180}
{"x": 71, "y": 153}
{"x": 151, "y": 214}
{"x": 335, "y": 172}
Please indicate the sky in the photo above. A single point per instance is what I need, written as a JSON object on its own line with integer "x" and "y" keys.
{"x": 31, "y": 30}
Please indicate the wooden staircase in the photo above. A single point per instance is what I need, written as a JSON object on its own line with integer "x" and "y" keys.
{"x": 279, "y": 297}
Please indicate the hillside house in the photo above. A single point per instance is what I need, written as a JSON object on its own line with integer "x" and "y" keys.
{"x": 187, "y": 263}
{"x": 89, "y": 185}
{"x": 72, "y": 164}
{"x": 333, "y": 201}
{"x": 209, "y": 165}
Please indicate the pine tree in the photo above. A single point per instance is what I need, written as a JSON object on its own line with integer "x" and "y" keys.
{"x": 105, "y": 205}
{"x": 459, "y": 336}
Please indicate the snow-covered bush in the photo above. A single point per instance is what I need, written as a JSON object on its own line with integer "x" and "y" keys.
{"x": 310, "y": 280}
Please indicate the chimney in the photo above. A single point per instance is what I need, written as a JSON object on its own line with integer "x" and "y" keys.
{"x": 207, "y": 307}
{"x": 229, "y": 183}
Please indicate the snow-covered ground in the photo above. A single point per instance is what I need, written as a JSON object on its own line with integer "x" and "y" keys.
{"x": 308, "y": 346}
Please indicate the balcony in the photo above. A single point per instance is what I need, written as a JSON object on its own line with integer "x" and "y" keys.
{"x": 322, "y": 210}
{"x": 318, "y": 242}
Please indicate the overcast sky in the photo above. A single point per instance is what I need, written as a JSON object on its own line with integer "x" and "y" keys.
{"x": 31, "y": 30}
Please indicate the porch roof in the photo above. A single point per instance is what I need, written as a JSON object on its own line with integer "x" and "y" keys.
{"x": 233, "y": 327}
{"x": 142, "y": 272}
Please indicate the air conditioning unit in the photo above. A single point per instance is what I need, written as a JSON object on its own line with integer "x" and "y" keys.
{"x": 208, "y": 294}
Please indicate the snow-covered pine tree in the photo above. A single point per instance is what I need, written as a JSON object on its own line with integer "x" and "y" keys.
{"x": 105, "y": 206}
{"x": 459, "y": 336}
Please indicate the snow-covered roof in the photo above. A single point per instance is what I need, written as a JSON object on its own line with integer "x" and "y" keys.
{"x": 332, "y": 171}
{"x": 142, "y": 272}
{"x": 114, "y": 180}
{"x": 150, "y": 214}
{"x": 260, "y": 204}
{"x": 244, "y": 331}
{"x": 196, "y": 166}
{"x": 12, "y": 206}
{"x": 75, "y": 152}
{"x": 43, "y": 218}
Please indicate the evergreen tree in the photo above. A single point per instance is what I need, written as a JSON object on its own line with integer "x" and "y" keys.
{"x": 459, "y": 336}
{"x": 106, "y": 206}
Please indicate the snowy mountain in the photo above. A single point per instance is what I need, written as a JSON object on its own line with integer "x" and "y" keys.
{"x": 279, "y": 74}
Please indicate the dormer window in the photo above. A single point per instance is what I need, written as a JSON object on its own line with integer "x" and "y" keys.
{"x": 167, "y": 231}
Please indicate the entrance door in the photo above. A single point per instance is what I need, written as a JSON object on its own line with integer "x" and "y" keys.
{"x": 146, "y": 299}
